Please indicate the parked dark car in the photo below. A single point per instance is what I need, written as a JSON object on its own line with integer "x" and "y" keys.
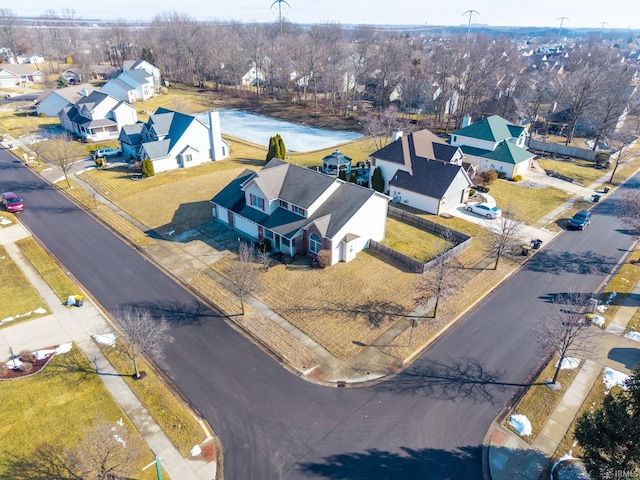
{"x": 580, "y": 220}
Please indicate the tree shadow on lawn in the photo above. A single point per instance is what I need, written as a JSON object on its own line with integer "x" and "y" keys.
{"x": 375, "y": 313}
{"x": 456, "y": 380}
{"x": 71, "y": 363}
{"x": 584, "y": 263}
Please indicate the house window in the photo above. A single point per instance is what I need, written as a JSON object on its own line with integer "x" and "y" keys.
{"x": 315, "y": 243}
{"x": 257, "y": 202}
{"x": 284, "y": 204}
{"x": 298, "y": 210}
{"x": 188, "y": 158}
{"x": 455, "y": 138}
{"x": 268, "y": 234}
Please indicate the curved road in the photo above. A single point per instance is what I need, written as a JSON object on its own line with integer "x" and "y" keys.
{"x": 426, "y": 422}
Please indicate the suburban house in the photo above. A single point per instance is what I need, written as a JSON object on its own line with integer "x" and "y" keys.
{"x": 174, "y": 140}
{"x": 97, "y": 116}
{"x": 423, "y": 171}
{"x": 30, "y": 58}
{"x": 252, "y": 77}
{"x": 51, "y": 102}
{"x": 12, "y": 75}
{"x": 102, "y": 72}
{"x": 138, "y": 81}
{"x": 494, "y": 143}
{"x": 302, "y": 211}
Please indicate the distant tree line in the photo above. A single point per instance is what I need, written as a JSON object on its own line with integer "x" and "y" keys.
{"x": 345, "y": 70}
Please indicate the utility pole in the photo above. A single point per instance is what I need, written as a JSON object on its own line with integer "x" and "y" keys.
{"x": 470, "y": 13}
{"x": 562, "y": 19}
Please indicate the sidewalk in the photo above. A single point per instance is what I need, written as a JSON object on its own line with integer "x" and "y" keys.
{"x": 510, "y": 457}
{"x": 77, "y": 325}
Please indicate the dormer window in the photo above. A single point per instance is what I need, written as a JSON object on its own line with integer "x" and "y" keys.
{"x": 284, "y": 205}
{"x": 298, "y": 210}
{"x": 256, "y": 201}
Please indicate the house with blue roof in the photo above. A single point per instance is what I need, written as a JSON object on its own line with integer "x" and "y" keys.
{"x": 302, "y": 211}
{"x": 173, "y": 140}
{"x": 494, "y": 143}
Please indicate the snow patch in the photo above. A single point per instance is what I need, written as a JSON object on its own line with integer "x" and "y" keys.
{"x": 521, "y": 424}
{"x": 64, "y": 348}
{"x": 42, "y": 354}
{"x": 5, "y": 221}
{"x": 569, "y": 363}
{"x": 633, "y": 336}
{"x": 106, "y": 339}
{"x": 597, "y": 320}
{"x": 22, "y": 315}
{"x": 195, "y": 451}
{"x": 613, "y": 377}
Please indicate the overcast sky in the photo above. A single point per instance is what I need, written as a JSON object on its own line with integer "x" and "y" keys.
{"x": 579, "y": 13}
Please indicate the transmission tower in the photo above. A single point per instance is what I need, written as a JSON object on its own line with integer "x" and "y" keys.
{"x": 279, "y": 3}
{"x": 562, "y": 19}
{"x": 470, "y": 13}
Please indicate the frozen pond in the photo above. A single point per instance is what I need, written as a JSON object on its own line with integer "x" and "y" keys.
{"x": 259, "y": 129}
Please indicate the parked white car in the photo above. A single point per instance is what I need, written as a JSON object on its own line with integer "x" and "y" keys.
{"x": 484, "y": 209}
{"x": 108, "y": 152}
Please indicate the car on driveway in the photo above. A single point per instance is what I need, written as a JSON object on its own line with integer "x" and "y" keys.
{"x": 484, "y": 209}
{"x": 580, "y": 220}
{"x": 11, "y": 202}
{"x": 107, "y": 152}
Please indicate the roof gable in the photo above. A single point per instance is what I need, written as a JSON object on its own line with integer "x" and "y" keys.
{"x": 429, "y": 178}
{"x": 508, "y": 152}
{"x": 422, "y": 144}
{"x": 492, "y": 129}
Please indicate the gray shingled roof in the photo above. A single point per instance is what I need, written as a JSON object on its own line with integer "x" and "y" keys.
{"x": 422, "y": 144}
{"x": 157, "y": 149}
{"x": 431, "y": 178}
{"x": 72, "y": 93}
{"x": 330, "y": 217}
{"x": 291, "y": 183}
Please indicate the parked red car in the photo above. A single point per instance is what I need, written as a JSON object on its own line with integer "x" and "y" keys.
{"x": 11, "y": 202}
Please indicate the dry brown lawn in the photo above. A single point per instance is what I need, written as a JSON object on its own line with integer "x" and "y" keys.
{"x": 277, "y": 339}
{"x": 334, "y": 305}
{"x": 176, "y": 200}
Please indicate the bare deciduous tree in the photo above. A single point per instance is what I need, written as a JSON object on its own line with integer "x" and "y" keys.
{"x": 243, "y": 273}
{"x": 564, "y": 330}
{"x": 621, "y": 141}
{"x": 141, "y": 334}
{"x": 63, "y": 153}
{"x": 504, "y": 235}
{"x": 105, "y": 452}
{"x": 442, "y": 280}
{"x": 629, "y": 210}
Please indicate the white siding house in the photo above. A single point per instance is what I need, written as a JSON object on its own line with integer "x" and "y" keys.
{"x": 494, "y": 143}
{"x": 174, "y": 140}
{"x": 301, "y": 211}
{"x": 423, "y": 171}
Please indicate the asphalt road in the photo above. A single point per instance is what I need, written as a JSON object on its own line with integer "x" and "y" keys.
{"x": 426, "y": 422}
